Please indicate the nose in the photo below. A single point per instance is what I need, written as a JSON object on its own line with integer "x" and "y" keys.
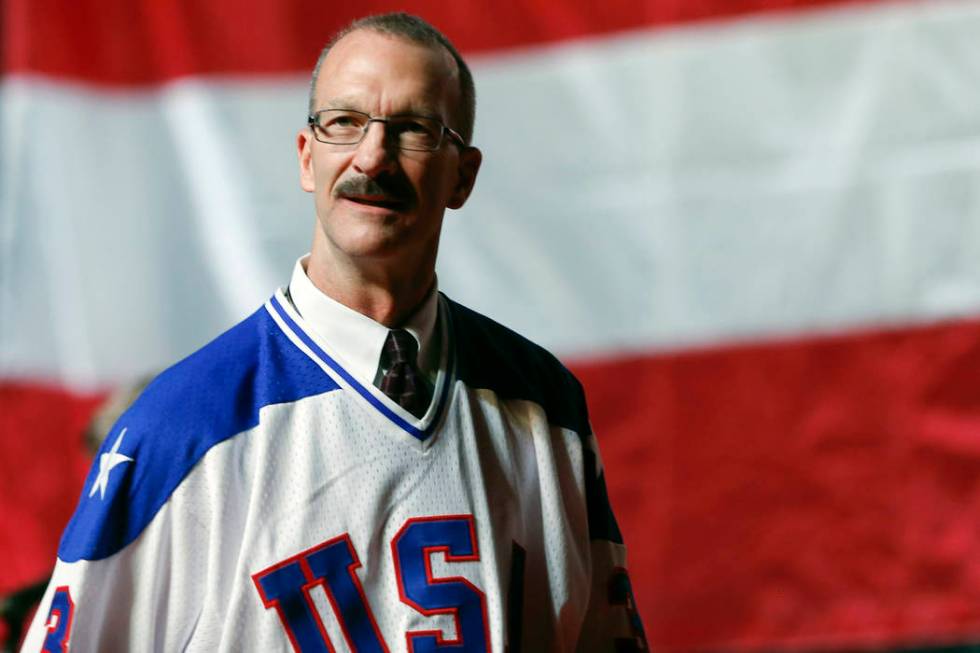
{"x": 375, "y": 154}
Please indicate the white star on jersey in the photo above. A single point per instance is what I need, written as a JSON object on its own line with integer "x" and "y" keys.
{"x": 107, "y": 462}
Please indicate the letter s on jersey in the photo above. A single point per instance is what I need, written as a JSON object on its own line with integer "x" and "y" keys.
{"x": 412, "y": 550}
{"x": 286, "y": 587}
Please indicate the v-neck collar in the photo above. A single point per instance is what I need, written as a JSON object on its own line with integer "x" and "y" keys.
{"x": 320, "y": 351}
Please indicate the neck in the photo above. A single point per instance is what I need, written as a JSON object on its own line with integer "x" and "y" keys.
{"x": 386, "y": 291}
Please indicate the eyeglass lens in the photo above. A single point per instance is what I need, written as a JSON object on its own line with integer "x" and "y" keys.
{"x": 342, "y": 127}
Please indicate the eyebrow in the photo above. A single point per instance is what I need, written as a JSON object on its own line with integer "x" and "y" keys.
{"x": 350, "y": 103}
{"x": 343, "y": 102}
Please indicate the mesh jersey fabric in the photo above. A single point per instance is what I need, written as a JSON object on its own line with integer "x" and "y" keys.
{"x": 258, "y": 496}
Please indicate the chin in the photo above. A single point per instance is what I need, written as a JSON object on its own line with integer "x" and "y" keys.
{"x": 375, "y": 234}
{"x": 369, "y": 243}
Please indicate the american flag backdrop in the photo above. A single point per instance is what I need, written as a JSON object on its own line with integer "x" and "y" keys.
{"x": 751, "y": 227}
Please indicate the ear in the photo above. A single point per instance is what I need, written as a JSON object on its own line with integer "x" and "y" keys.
{"x": 304, "y": 150}
{"x": 469, "y": 164}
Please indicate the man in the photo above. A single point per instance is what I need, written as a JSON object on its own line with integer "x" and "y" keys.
{"x": 362, "y": 462}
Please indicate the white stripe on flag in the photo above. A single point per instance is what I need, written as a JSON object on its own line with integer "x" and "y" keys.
{"x": 665, "y": 189}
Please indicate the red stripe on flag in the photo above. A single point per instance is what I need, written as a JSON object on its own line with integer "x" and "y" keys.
{"x": 43, "y": 462}
{"x": 803, "y": 494}
{"x": 127, "y": 42}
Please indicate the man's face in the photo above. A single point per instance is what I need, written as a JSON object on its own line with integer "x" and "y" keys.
{"x": 374, "y": 201}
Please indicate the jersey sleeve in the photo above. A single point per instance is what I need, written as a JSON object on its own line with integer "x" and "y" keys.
{"x": 612, "y": 621}
{"x": 140, "y": 598}
{"x": 145, "y": 596}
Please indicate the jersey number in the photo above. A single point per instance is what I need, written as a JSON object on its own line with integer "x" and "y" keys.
{"x": 287, "y": 586}
{"x": 59, "y": 622}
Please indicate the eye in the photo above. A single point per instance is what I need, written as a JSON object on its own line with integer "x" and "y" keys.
{"x": 416, "y": 132}
{"x": 340, "y": 126}
{"x": 341, "y": 119}
{"x": 416, "y": 126}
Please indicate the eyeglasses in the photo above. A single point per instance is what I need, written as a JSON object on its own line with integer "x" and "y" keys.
{"x": 346, "y": 127}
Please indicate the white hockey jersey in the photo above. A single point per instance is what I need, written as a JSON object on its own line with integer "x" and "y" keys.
{"x": 260, "y": 497}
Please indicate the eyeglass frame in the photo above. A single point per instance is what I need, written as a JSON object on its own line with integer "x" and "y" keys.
{"x": 311, "y": 121}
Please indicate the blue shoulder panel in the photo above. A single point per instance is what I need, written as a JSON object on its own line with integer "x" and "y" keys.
{"x": 207, "y": 398}
{"x": 493, "y": 357}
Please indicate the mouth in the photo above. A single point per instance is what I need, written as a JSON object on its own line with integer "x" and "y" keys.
{"x": 377, "y": 201}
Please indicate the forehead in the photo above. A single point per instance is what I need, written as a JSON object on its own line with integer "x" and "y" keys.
{"x": 384, "y": 74}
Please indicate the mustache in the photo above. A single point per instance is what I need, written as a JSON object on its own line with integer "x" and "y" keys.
{"x": 391, "y": 188}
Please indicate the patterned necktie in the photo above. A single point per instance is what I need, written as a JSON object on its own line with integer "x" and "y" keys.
{"x": 403, "y": 382}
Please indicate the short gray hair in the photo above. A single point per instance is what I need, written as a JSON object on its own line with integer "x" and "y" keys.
{"x": 416, "y": 30}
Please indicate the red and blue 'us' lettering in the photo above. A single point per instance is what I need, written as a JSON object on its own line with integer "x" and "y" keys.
{"x": 286, "y": 587}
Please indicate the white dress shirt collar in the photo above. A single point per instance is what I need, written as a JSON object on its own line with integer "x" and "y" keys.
{"x": 357, "y": 338}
